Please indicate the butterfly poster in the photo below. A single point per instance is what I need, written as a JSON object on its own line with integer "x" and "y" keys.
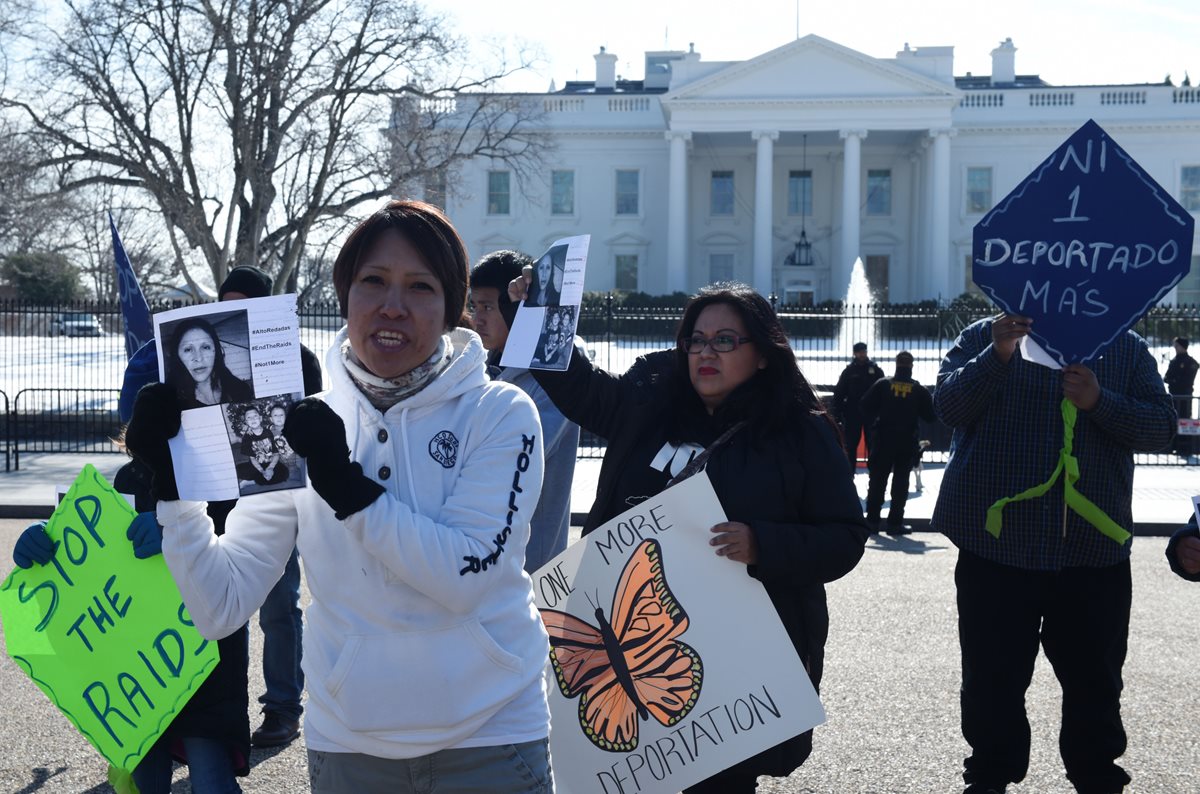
{"x": 667, "y": 663}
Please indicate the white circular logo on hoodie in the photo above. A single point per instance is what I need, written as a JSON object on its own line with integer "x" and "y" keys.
{"x": 444, "y": 449}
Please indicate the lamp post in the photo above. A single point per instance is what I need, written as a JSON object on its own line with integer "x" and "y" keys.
{"x": 801, "y": 255}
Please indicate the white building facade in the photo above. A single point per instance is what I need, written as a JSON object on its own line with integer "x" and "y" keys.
{"x": 781, "y": 170}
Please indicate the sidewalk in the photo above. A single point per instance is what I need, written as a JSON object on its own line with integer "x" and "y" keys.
{"x": 1161, "y": 494}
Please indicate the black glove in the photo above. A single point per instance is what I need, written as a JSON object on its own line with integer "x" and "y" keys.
{"x": 156, "y": 417}
{"x": 34, "y": 545}
{"x": 318, "y": 435}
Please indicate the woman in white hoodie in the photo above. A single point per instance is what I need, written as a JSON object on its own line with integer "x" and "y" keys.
{"x": 423, "y": 651}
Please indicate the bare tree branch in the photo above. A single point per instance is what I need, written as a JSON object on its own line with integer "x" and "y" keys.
{"x": 253, "y": 126}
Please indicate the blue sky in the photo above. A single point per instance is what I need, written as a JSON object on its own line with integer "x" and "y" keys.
{"x": 1066, "y": 42}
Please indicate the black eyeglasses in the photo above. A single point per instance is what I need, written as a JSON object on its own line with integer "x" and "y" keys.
{"x": 721, "y": 343}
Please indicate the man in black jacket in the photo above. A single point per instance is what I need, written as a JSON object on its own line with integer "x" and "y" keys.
{"x": 853, "y": 383}
{"x": 891, "y": 409}
{"x": 1181, "y": 377}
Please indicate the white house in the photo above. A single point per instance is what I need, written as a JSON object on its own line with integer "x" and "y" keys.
{"x": 783, "y": 169}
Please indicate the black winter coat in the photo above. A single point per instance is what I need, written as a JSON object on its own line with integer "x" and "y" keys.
{"x": 793, "y": 488}
{"x": 852, "y": 384}
{"x": 219, "y": 708}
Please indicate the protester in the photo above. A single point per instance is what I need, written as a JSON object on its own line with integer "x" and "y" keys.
{"x": 211, "y": 734}
{"x": 196, "y": 367}
{"x": 1035, "y": 570}
{"x": 1183, "y": 551}
{"x": 493, "y": 313}
{"x": 424, "y": 653}
{"x": 735, "y": 399}
{"x": 279, "y": 617}
{"x": 852, "y": 384}
{"x": 891, "y": 410}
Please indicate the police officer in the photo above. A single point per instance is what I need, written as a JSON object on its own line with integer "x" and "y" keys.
{"x": 891, "y": 409}
{"x": 853, "y": 383}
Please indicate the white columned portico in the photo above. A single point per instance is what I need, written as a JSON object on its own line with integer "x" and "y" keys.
{"x": 763, "y": 211}
{"x": 939, "y": 217}
{"x": 851, "y": 200}
{"x": 928, "y": 287}
{"x": 677, "y": 212}
{"x": 915, "y": 272}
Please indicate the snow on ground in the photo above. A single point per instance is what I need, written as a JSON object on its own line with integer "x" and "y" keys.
{"x": 96, "y": 364}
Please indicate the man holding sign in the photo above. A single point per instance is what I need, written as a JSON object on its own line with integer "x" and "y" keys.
{"x": 1048, "y": 402}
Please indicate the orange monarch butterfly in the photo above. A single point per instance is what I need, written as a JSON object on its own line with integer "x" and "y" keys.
{"x": 632, "y": 667}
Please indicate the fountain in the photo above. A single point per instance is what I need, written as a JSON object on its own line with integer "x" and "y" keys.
{"x": 859, "y": 323}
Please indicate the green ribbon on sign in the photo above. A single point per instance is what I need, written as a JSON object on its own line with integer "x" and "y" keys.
{"x": 1067, "y": 462}
{"x": 121, "y": 780}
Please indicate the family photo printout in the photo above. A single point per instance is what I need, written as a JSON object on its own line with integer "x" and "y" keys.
{"x": 543, "y": 332}
{"x": 667, "y": 663}
{"x": 236, "y": 368}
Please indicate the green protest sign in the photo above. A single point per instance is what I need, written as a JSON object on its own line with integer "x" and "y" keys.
{"x": 104, "y": 634}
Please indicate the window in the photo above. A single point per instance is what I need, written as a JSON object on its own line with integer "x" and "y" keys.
{"x": 720, "y": 267}
{"x": 627, "y": 271}
{"x": 877, "y": 277}
{"x": 629, "y": 190}
{"x": 799, "y": 195}
{"x": 1187, "y": 292}
{"x": 799, "y": 296}
{"x": 498, "y": 195}
{"x": 562, "y": 192}
{"x": 1189, "y": 193}
{"x": 435, "y": 188}
{"x": 969, "y": 284}
{"x": 721, "y": 195}
{"x": 979, "y": 190}
{"x": 879, "y": 192}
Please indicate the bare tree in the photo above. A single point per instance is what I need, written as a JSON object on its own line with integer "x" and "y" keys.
{"x": 255, "y": 125}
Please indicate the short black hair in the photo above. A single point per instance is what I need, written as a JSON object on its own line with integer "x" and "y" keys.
{"x": 429, "y": 231}
{"x": 1180, "y": 340}
{"x": 781, "y": 386}
{"x": 496, "y": 270}
{"x": 860, "y": 346}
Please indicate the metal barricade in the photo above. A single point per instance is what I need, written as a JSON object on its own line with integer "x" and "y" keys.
{"x": 64, "y": 420}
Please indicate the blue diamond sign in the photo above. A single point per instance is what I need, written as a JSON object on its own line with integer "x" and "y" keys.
{"x": 1085, "y": 245}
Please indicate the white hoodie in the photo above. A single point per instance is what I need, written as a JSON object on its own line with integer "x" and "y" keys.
{"x": 422, "y": 633}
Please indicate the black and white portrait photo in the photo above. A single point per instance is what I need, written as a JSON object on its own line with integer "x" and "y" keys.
{"x": 546, "y": 287}
{"x": 207, "y": 359}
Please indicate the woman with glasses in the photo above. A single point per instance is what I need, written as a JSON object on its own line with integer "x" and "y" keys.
{"x": 774, "y": 459}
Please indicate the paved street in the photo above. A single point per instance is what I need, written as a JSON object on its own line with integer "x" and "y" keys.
{"x": 890, "y": 689}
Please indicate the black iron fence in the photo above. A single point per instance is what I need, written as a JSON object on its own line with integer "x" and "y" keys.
{"x": 61, "y": 366}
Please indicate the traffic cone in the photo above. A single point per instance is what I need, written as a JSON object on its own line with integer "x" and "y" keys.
{"x": 861, "y": 454}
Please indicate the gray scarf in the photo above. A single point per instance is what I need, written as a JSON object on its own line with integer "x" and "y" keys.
{"x": 383, "y": 393}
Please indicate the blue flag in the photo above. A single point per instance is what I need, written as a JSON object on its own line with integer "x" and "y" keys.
{"x": 134, "y": 309}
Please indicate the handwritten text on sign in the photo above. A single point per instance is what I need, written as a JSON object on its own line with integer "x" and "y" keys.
{"x": 668, "y": 663}
{"x": 1084, "y": 245}
{"x": 103, "y": 634}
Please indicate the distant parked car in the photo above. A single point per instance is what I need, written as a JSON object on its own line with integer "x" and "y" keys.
{"x": 74, "y": 324}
